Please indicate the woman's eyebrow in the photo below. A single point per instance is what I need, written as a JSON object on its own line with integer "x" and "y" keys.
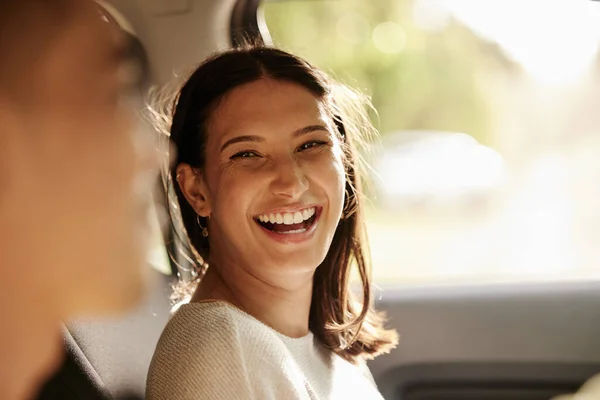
{"x": 309, "y": 129}
{"x": 243, "y": 138}
{"x": 254, "y": 138}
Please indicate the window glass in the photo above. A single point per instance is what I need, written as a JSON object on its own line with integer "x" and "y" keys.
{"x": 488, "y": 168}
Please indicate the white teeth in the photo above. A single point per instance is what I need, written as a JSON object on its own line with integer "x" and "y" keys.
{"x": 301, "y": 230}
{"x": 288, "y": 218}
{"x": 298, "y": 217}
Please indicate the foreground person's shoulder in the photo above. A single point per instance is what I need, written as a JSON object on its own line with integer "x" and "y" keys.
{"x": 590, "y": 390}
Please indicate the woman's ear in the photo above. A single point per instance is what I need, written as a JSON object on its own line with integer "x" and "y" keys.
{"x": 193, "y": 186}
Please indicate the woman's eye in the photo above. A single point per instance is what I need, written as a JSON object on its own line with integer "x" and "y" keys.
{"x": 244, "y": 154}
{"x": 312, "y": 144}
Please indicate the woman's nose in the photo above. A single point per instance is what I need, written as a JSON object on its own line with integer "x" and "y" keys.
{"x": 289, "y": 179}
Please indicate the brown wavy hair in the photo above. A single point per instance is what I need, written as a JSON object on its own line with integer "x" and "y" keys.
{"x": 342, "y": 321}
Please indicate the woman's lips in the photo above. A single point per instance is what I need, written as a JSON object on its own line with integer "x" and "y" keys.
{"x": 291, "y": 233}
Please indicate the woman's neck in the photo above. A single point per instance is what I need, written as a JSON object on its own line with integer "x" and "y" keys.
{"x": 283, "y": 309}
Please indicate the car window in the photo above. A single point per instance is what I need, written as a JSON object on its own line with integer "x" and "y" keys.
{"x": 488, "y": 168}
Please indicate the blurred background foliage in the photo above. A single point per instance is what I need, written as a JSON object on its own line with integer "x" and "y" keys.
{"x": 421, "y": 72}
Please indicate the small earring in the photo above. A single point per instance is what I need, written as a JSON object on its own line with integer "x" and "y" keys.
{"x": 203, "y": 228}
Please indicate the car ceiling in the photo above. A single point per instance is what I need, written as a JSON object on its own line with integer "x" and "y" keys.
{"x": 177, "y": 34}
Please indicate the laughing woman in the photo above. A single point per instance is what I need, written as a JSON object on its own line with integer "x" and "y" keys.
{"x": 267, "y": 182}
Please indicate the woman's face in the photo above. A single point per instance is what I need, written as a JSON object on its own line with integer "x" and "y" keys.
{"x": 273, "y": 181}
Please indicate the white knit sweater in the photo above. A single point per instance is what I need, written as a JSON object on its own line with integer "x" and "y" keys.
{"x": 215, "y": 351}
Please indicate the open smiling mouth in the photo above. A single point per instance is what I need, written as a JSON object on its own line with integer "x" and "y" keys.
{"x": 289, "y": 223}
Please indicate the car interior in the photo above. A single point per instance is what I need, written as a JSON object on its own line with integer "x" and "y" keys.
{"x": 496, "y": 334}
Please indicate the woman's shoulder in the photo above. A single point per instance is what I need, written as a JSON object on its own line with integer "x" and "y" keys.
{"x": 202, "y": 332}
{"x": 590, "y": 390}
{"x": 208, "y": 325}
{"x": 203, "y": 347}
{"x": 219, "y": 351}
{"x": 203, "y": 316}
{"x": 196, "y": 353}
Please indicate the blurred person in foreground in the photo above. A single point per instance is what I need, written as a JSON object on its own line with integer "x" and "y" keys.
{"x": 75, "y": 182}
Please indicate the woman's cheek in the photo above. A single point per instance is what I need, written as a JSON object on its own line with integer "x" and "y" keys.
{"x": 335, "y": 163}
{"x": 329, "y": 169}
{"x": 233, "y": 181}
